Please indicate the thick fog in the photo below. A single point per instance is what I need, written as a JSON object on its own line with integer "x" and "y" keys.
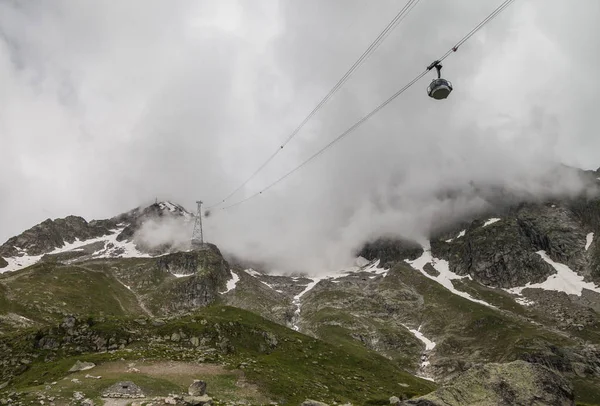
{"x": 105, "y": 106}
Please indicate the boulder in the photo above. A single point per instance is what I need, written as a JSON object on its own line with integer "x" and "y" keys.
{"x": 310, "y": 402}
{"x": 197, "y": 400}
{"x": 197, "y": 388}
{"x": 82, "y": 366}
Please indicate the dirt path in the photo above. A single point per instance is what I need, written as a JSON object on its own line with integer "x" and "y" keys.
{"x": 165, "y": 368}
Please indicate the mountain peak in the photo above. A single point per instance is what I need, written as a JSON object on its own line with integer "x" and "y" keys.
{"x": 114, "y": 237}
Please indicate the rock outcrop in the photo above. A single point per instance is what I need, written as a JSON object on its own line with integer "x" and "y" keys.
{"x": 197, "y": 388}
{"x": 515, "y": 383}
{"x": 390, "y": 250}
{"x": 207, "y": 273}
{"x": 503, "y": 253}
{"x": 52, "y": 234}
{"x": 82, "y": 366}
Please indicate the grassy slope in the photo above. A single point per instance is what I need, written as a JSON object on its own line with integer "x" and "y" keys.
{"x": 469, "y": 326}
{"x": 49, "y": 291}
{"x": 297, "y": 367}
{"x": 337, "y": 317}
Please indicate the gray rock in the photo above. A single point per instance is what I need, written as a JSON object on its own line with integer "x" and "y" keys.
{"x": 82, "y": 366}
{"x": 515, "y": 383}
{"x": 394, "y": 400}
{"x": 51, "y": 234}
{"x": 503, "y": 254}
{"x": 197, "y": 400}
{"x": 390, "y": 251}
{"x": 158, "y": 322}
{"x": 310, "y": 402}
{"x": 68, "y": 322}
{"x": 197, "y": 388}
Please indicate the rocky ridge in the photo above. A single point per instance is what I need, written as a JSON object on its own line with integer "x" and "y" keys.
{"x": 75, "y": 239}
{"x": 511, "y": 293}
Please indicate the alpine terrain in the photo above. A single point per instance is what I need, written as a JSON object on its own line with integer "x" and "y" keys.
{"x": 501, "y": 307}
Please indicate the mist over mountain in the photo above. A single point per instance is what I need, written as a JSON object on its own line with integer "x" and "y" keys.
{"x": 444, "y": 252}
{"x": 127, "y": 113}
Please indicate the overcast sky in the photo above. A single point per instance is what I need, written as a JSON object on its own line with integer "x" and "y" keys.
{"x": 106, "y": 105}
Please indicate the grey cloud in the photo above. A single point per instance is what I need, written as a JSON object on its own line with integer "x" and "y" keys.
{"x": 106, "y": 106}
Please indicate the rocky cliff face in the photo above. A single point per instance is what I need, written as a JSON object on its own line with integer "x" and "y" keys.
{"x": 502, "y": 252}
{"x": 52, "y": 234}
{"x": 200, "y": 275}
{"x": 388, "y": 250}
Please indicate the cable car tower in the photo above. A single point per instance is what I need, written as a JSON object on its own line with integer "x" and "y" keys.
{"x": 197, "y": 235}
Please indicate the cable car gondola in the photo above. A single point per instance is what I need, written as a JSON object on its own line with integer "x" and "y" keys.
{"x": 438, "y": 88}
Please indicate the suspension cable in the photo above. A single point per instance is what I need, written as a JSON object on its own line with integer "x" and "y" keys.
{"x": 492, "y": 15}
{"x": 368, "y": 52}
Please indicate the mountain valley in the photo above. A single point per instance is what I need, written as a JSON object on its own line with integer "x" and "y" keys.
{"x": 498, "y": 307}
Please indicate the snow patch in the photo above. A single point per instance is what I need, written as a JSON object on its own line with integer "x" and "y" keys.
{"x": 362, "y": 265}
{"x": 112, "y": 249}
{"x": 491, "y": 221}
{"x": 445, "y": 277}
{"x": 461, "y": 234}
{"x": 252, "y": 272}
{"x": 296, "y": 300}
{"x": 372, "y": 268}
{"x": 524, "y": 301}
{"x": 232, "y": 283}
{"x": 429, "y": 345}
{"x": 564, "y": 280}
{"x": 588, "y": 240}
{"x": 169, "y": 206}
{"x": 181, "y": 275}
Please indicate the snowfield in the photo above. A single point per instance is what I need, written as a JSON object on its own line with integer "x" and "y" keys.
{"x": 111, "y": 249}
{"x": 429, "y": 345}
{"x": 564, "y": 280}
{"x": 445, "y": 277}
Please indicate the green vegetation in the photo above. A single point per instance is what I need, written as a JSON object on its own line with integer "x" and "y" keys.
{"x": 286, "y": 366}
{"x": 495, "y": 297}
{"x": 471, "y": 328}
{"x": 47, "y": 291}
{"x": 342, "y": 329}
{"x": 587, "y": 392}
